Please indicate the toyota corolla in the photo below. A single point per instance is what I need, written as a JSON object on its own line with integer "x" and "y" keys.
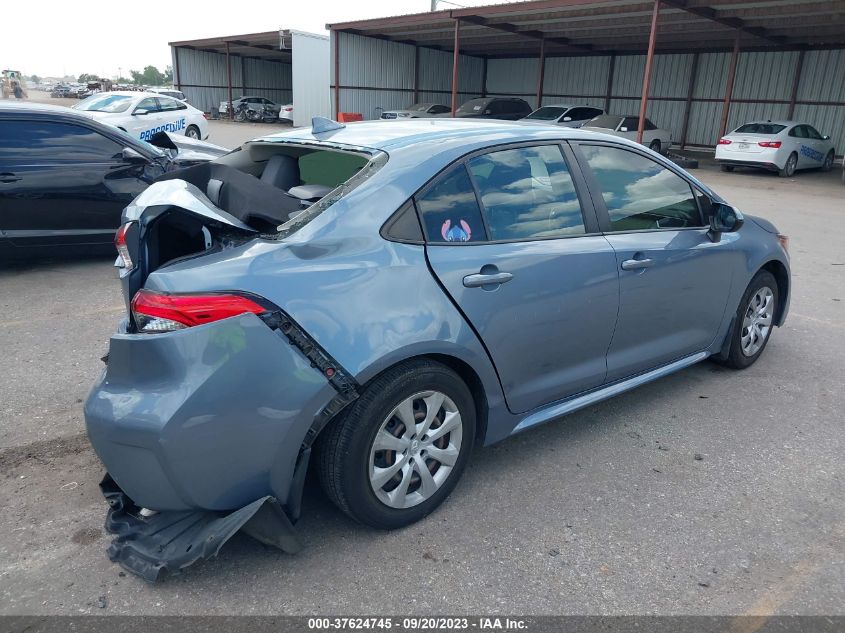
{"x": 378, "y": 299}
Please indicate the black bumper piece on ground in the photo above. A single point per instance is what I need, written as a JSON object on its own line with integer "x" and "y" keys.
{"x": 167, "y": 542}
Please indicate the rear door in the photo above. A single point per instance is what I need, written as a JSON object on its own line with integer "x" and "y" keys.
{"x": 62, "y": 183}
{"x": 172, "y": 115}
{"x": 520, "y": 255}
{"x": 674, "y": 281}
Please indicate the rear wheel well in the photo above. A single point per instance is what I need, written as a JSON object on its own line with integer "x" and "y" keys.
{"x": 476, "y": 388}
{"x": 782, "y": 277}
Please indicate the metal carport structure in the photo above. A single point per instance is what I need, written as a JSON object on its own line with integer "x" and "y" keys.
{"x": 697, "y": 66}
{"x": 284, "y": 66}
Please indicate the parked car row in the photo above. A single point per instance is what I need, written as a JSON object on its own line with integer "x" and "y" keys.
{"x": 780, "y": 146}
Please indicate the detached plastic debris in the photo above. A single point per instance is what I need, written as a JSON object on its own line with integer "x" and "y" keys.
{"x": 166, "y": 542}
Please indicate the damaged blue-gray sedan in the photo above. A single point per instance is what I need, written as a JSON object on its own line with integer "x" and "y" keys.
{"x": 377, "y": 299}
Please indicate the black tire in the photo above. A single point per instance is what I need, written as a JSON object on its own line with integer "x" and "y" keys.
{"x": 193, "y": 132}
{"x": 727, "y": 168}
{"x": 828, "y": 161}
{"x": 654, "y": 146}
{"x": 737, "y": 359}
{"x": 789, "y": 166}
{"x": 344, "y": 448}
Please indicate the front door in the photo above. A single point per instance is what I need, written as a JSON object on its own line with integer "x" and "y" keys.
{"x": 508, "y": 240}
{"x": 64, "y": 183}
{"x": 674, "y": 281}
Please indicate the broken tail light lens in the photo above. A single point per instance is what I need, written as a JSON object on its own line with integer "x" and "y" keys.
{"x": 772, "y": 144}
{"x": 724, "y": 141}
{"x": 163, "y": 312}
{"x": 123, "y": 256}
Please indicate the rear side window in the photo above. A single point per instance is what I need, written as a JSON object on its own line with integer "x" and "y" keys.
{"x": 48, "y": 143}
{"x": 449, "y": 210}
{"x": 527, "y": 193}
{"x": 639, "y": 193}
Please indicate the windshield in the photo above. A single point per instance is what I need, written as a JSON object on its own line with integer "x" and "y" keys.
{"x": 769, "y": 129}
{"x": 105, "y": 103}
{"x": 547, "y": 113}
{"x": 418, "y": 107}
{"x": 605, "y": 121}
{"x": 475, "y": 105}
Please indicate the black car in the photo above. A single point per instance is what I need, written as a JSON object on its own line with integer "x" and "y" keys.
{"x": 65, "y": 178}
{"x": 505, "y": 108}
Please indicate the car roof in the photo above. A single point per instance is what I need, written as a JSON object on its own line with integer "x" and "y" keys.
{"x": 773, "y": 122}
{"x": 380, "y": 135}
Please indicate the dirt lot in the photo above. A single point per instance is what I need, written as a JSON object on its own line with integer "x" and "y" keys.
{"x": 607, "y": 511}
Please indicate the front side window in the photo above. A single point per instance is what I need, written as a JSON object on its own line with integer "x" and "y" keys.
{"x": 813, "y": 133}
{"x": 527, "y": 193}
{"x": 149, "y": 104}
{"x": 48, "y": 143}
{"x": 639, "y": 193}
{"x": 449, "y": 210}
{"x": 582, "y": 114}
{"x": 439, "y": 109}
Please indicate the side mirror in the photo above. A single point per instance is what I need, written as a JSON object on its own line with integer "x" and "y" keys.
{"x": 132, "y": 156}
{"x": 140, "y": 112}
{"x": 567, "y": 119}
{"x": 488, "y": 111}
{"x": 826, "y": 137}
{"x": 725, "y": 219}
{"x": 623, "y": 129}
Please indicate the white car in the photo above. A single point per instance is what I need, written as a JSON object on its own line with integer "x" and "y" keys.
{"x": 781, "y": 146}
{"x": 286, "y": 113}
{"x": 417, "y": 111}
{"x": 142, "y": 114}
{"x": 654, "y": 137}
{"x": 170, "y": 92}
{"x": 563, "y": 114}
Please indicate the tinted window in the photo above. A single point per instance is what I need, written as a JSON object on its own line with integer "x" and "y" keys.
{"x": 474, "y": 106}
{"x": 527, "y": 192}
{"x": 170, "y": 104}
{"x": 582, "y": 114}
{"x": 632, "y": 123}
{"x": 813, "y": 133}
{"x": 606, "y": 121}
{"x": 42, "y": 142}
{"x": 799, "y": 131}
{"x": 450, "y": 210}
{"x": 439, "y": 109}
{"x": 639, "y": 193}
{"x": 150, "y": 104}
{"x": 648, "y": 125}
{"x": 546, "y": 113}
{"x": 760, "y": 128}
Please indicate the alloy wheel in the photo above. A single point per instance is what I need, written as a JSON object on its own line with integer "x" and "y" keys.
{"x": 791, "y": 163}
{"x": 415, "y": 449}
{"x": 757, "y": 321}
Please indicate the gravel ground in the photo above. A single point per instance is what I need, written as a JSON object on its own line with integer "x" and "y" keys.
{"x": 607, "y": 511}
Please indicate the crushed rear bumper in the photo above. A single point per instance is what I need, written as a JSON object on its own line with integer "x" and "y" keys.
{"x": 167, "y": 542}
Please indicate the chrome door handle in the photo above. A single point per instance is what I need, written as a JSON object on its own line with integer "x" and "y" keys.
{"x": 637, "y": 264}
{"x": 481, "y": 279}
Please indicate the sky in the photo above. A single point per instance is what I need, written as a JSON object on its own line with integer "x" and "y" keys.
{"x": 53, "y": 38}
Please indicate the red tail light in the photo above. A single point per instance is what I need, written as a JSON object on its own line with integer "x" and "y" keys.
{"x": 772, "y": 144}
{"x": 122, "y": 248}
{"x": 160, "y": 312}
{"x": 725, "y": 141}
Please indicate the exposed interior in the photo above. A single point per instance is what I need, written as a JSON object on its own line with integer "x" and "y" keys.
{"x": 264, "y": 184}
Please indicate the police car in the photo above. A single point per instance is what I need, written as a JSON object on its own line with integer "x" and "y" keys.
{"x": 143, "y": 114}
{"x": 781, "y": 146}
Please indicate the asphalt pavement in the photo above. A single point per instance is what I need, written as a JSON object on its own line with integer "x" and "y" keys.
{"x": 708, "y": 492}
